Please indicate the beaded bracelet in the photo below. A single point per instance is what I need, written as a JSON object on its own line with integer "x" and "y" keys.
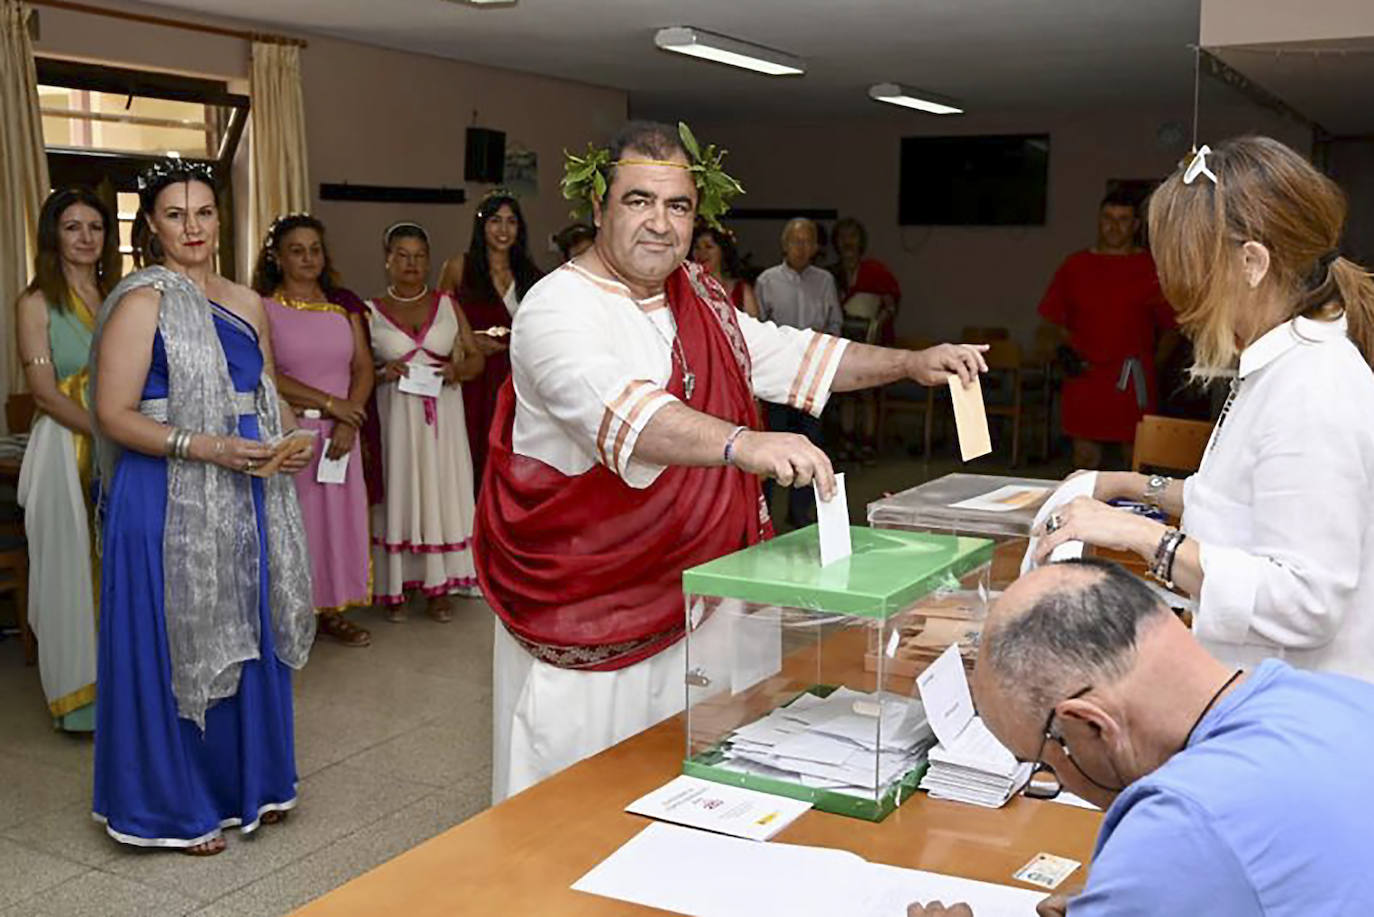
{"x": 729, "y": 453}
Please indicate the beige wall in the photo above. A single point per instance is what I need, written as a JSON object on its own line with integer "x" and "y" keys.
{"x": 957, "y": 276}
{"x": 1242, "y": 22}
{"x": 380, "y": 117}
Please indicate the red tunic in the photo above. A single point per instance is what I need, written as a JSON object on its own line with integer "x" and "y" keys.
{"x": 1113, "y": 310}
{"x": 586, "y": 571}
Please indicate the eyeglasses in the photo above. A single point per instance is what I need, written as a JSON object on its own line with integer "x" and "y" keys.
{"x": 1198, "y": 166}
{"x": 1049, "y": 785}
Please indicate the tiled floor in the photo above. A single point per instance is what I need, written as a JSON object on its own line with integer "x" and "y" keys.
{"x": 393, "y": 746}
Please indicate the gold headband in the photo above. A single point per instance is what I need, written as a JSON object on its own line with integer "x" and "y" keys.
{"x": 651, "y": 162}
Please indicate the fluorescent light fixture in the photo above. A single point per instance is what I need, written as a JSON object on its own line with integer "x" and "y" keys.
{"x": 725, "y": 50}
{"x": 485, "y": 2}
{"x": 913, "y": 98}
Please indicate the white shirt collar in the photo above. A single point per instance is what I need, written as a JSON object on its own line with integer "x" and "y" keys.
{"x": 615, "y": 286}
{"x": 1277, "y": 341}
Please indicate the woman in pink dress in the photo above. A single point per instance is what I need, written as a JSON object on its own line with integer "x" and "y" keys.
{"x": 324, "y": 370}
{"x": 427, "y": 352}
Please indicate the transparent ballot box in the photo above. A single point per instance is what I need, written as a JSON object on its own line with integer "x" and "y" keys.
{"x": 793, "y": 681}
{"x": 1004, "y": 513}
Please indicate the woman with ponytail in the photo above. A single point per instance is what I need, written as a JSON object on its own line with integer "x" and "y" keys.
{"x": 1276, "y": 544}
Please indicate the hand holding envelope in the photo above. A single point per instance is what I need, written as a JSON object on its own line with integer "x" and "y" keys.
{"x": 299, "y": 442}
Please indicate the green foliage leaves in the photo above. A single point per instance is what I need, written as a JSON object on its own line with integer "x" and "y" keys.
{"x": 584, "y": 178}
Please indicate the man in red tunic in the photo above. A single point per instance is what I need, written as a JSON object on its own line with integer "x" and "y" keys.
{"x": 627, "y": 449}
{"x": 1107, "y": 304}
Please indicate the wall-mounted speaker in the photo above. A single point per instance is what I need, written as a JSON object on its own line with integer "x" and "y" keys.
{"x": 486, "y": 156}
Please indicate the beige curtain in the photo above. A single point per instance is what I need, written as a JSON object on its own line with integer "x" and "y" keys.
{"x": 23, "y": 176}
{"x": 280, "y": 180}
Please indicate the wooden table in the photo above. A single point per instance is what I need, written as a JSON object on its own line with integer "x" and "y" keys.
{"x": 520, "y": 857}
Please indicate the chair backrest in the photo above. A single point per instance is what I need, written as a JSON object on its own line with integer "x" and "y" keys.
{"x": 978, "y": 334}
{"x": 19, "y": 411}
{"x": 1169, "y": 443}
{"x": 1003, "y": 354}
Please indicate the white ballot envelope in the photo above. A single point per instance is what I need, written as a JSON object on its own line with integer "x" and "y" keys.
{"x": 422, "y": 379}
{"x": 832, "y": 519}
{"x": 332, "y": 471}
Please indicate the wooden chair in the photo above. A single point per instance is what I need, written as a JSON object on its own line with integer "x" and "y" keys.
{"x": 14, "y": 579}
{"x": 1002, "y": 391}
{"x": 907, "y": 398}
{"x": 14, "y": 553}
{"x": 1169, "y": 444}
{"x": 19, "y": 411}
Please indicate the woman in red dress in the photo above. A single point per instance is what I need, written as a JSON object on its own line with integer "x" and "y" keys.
{"x": 488, "y": 282}
{"x": 856, "y": 274}
{"x": 714, "y": 249}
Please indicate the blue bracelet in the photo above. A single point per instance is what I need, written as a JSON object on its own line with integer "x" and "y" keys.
{"x": 729, "y": 454}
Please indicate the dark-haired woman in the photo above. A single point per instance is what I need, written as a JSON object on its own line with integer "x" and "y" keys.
{"x": 76, "y": 265}
{"x": 870, "y": 296}
{"x": 489, "y": 282}
{"x": 324, "y": 371}
{"x": 714, "y": 249}
{"x": 205, "y": 579}
{"x": 422, "y": 532}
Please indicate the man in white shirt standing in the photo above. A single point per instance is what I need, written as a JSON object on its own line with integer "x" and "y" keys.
{"x": 797, "y": 294}
{"x": 627, "y": 450}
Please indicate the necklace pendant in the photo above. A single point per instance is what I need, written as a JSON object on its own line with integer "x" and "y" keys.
{"x": 689, "y": 384}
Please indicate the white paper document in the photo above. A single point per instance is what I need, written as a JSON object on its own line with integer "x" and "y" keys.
{"x": 1070, "y": 490}
{"x": 832, "y": 517}
{"x": 422, "y": 379}
{"x": 331, "y": 471}
{"x": 709, "y": 875}
{"x": 713, "y": 806}
{"x": 1003, "y": 499}
{"x": 969, "y": 765}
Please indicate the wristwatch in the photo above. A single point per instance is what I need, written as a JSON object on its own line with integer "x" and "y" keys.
{"x": 1154, "y": 489}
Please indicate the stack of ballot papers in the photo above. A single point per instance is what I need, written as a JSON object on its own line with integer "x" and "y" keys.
{"x": 975, "y": 768}
{"x": 849, "y": 742}
{"x": 969, "y": 764}
{"x": 710, "y": 875}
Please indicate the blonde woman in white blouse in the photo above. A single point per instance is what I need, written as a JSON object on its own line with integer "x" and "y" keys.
{"x": 1277, "y": 535}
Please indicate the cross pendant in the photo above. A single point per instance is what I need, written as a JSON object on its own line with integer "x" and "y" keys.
{"x": 689, "y": 383}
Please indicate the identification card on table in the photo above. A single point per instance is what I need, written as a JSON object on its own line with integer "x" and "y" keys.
{"x": 422, "y": 379}
{"x": 718, "y": 807}
{"x": 1046, "y": 870}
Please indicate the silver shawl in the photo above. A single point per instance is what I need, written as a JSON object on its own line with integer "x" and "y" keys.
{"x": 210, "y": 548}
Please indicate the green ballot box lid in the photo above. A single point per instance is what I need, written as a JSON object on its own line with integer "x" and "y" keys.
{"x": 888, "y": 571}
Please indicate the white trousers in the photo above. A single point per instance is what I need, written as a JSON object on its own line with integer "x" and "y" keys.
{"x": 545, "y": 718}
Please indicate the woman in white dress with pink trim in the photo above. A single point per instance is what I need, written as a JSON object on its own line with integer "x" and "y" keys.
{"x": 425, "y": 350}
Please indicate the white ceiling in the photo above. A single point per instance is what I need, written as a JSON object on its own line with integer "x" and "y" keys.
{"x": 1330, "y": 82}
{"x": 989, "y": 54}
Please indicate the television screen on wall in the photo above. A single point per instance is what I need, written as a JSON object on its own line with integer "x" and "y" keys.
{"x": 993, "y": 180}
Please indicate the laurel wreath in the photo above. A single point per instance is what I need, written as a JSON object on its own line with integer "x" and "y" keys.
{"x": 584, "y": 178}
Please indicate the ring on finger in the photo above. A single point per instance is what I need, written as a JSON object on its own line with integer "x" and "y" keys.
{"x": 247, "y": 464}
{"x": 1054, "y": 523}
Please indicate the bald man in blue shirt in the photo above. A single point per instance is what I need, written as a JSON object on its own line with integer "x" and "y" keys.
{"x": 1227, "y": 793}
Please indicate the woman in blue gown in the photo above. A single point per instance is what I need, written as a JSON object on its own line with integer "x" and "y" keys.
{"x": 205, "y": 592}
